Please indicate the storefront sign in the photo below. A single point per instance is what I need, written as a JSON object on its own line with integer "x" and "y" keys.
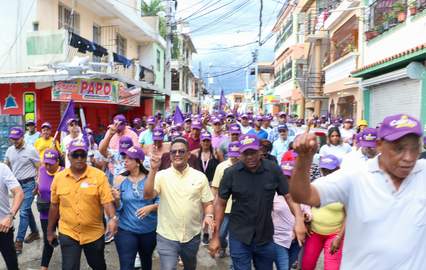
{"x": 271, "y": 99}
{"x": 128, "y": 96}
{"x": 86, "y": 91}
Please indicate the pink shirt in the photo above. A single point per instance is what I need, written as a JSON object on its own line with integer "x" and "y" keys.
{"x": 217, "y": 140}
{"x": 283, "y": 221}
{"x": 114, "y": 143}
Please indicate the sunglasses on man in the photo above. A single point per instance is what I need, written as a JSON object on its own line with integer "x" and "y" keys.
{"x": 181, "y": 152}
{"x": 76, "y": 155}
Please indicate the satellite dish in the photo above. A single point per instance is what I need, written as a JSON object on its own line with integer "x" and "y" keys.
{"x": 416, "y": 71}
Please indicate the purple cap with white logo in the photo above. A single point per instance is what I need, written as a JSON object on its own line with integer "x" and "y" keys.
{"x": 158, "y": 134}
{"x": 397, "y": 126}
{"x": 16, "y": 133}
{"x": 205, "y": 136}
{"x": 137, "y": 120}
{"x": 368, "y": 138}
{"x": 329, "y": 162}
{"x": 216, "y": 120}
{"x": 50, "y": 156}
{"x": 150, "y": 120}
{"x": 287, "y": 167}
{"x": 76, "y": 145}
{"x": 120, "y": 118}
{"x": 234, "y": 129}
{"x": 135, "y": 152}
{"x": 249, "y": 141}
{"x": 124, "y": 144}
{"x": 196, "y": 124}
{"x": 234, "y": 149}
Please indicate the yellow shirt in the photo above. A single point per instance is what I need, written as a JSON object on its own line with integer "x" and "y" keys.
{"x": 180, "y": 211}
{"x": 328, "y": 219}
{"x": 41, "y": 145}
{"x": 80, "y": 203}
{"x": 218, "y": 174}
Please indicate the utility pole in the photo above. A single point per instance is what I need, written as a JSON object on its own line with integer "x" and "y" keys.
{"x": 170, "y": 20}
{"x": 256, "y": 71}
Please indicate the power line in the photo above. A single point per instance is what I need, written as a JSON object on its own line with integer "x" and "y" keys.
{"x": 203, "y": 8}
{"x": 222, "y": 18}
{"x": 230, "y": 47}
{"x": 232, "y": 71}
{"x": 7, "y": 53}
{"x": 191, "y": 6}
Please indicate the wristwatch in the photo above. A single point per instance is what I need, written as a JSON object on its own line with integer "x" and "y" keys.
{"x": 11, "y": 215}
{"x": 114, "y": 218}
{"x": 210, "y": 216}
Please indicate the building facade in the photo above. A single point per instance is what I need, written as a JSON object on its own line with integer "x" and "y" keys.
{"x": 102, "y": 54}
{"x": 393, "y": 72}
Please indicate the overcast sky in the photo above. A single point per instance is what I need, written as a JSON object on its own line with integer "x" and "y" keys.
{"x": 217, "y": 24}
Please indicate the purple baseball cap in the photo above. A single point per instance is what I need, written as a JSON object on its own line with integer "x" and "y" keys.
{"x": 234, "y": 149}
{"x": 76, "y": 145}
{"x": 234, "y": 129}
{"x": 282, "y": 114}
{"x": 358, "y": 137}
{"x": 348, "y": 120}
{"x": 158, "y": 134}
{"x": 50, "y": 156}
{"x": 249, "y": 141}
{"x": 120, "y": 118}
{"x": 188, "y": 119}
{"x": 124, "y": 144}
{"x": 329, "y": 162}
{"x": 216, "y": 120}
{"x": 150, "y": 120}
{"x": 244, "y": 116}
{"x": 397, "y": 126}
{"x": 196, "y": 124}
{"x": 287, "y": 167}
{"x": 230, "y": 115}
{"x": 46, "y": 125}
{"x": 368, "y": 138}
{"x": 205, "y": 136}
{"x": 137, "y": 120}
{"x": 259, "y": 118}
{"x": 71, "y": 120}
{"x": 135, "y": 152}
{"x": 16, "y": 133}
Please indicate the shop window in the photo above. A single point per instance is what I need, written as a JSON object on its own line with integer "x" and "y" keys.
{"x": 29, "y": 107}
{"x": 121, "y": 45}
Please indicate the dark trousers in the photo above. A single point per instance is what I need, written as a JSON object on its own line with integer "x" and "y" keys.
{"x": 242, "y": 255}
{"x": 71, "y": 253}
{"x": 47, "y": 248}
{"x": 7, "y": 250}
{"x": 129, "y": 243}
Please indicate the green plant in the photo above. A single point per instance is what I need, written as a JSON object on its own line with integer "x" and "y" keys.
{"x": 399, "y": 7}
{"x": 151, "y": 9}
{"x": 412, "y": 4}
{"x": 163, "y": 27}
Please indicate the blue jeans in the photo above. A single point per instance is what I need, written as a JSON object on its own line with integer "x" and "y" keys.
{"x": 223, "y": 231}
{"x": 26, "y": 216}
{"x": 285, "y": 257}
{"x": 169, "y": 251}
{"x": 129, "y": 243}
{"x": 242, "y": 255}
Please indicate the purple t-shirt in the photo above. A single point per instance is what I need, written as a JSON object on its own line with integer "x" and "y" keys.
{"x": 45, "y": 181}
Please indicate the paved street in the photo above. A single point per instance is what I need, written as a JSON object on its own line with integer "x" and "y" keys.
{"x": 30, "y": 258}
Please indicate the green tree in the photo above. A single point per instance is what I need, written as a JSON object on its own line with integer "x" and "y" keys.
{"x": 151, "y": 9}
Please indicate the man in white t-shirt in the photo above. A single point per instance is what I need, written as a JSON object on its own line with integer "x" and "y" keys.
{"x": 385, "y": 199}
{"x": 367, "y": 149}
{"x": 74, "y": 133}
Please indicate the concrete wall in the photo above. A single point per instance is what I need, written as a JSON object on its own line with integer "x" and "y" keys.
{"x": 404, "y": 36}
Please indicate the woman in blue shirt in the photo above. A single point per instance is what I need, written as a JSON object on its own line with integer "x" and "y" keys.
{"x": 137, "y": 216}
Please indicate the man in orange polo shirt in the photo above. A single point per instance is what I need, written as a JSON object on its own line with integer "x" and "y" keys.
{"x": 79, "y": 196}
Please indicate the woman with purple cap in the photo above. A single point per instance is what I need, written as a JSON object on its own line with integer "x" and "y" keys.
{"x": 46, "y": 174}
{"x": 137, "y": 216}
{"x": 327, "y": 227}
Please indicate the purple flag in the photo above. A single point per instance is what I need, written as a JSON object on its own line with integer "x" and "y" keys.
{"x": 69, "y": 113}
{"x": 178, "y": 116}
{"x": 222, "y": 101}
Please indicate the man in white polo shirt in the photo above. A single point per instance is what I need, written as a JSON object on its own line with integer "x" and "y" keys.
{"x": 367, "y": 149}
{"x": 385, "y": 199}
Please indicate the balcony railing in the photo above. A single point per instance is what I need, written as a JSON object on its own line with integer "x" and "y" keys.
{"x": 311, "y": 83}
{"x": 385, "y": 14}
